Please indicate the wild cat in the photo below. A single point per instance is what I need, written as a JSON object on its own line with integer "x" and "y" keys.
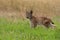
{"x": 34, "y": 21}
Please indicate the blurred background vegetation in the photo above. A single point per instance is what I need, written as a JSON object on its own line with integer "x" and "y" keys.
{"x": 17, "y": 8}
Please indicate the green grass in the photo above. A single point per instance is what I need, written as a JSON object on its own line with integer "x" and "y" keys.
{"x": 20, "y": 30}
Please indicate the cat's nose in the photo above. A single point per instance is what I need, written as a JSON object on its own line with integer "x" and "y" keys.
{"x": 26, "y": 17}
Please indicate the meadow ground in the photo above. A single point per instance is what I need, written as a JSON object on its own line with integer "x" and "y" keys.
{"x": 20, "y": 30}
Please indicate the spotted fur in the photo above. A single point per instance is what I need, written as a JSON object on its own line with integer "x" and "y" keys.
{"x": 34, "y": 21}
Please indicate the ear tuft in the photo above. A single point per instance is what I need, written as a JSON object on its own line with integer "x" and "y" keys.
{"x": 31, "y": 11}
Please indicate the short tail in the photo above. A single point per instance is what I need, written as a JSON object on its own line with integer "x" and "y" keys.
{"x": 51, "y": 21}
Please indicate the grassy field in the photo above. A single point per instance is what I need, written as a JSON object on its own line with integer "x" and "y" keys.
{"x": 20, "y": 30}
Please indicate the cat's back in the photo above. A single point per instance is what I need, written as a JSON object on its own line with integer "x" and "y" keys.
{"x": 40, "y": 20}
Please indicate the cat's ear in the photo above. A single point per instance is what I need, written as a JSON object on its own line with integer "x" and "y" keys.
{"x": 31, "y": 12}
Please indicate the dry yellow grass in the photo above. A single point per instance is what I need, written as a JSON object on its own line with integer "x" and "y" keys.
{"x": 48, "y": 8}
